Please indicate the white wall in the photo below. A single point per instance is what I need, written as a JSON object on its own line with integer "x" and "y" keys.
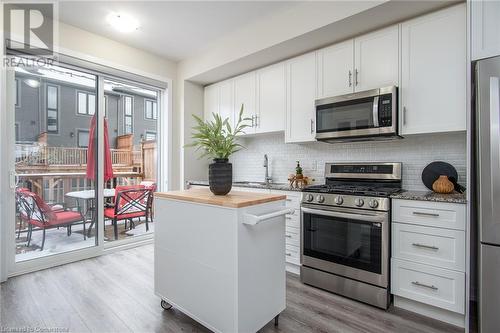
{"x": 415, "y": 152}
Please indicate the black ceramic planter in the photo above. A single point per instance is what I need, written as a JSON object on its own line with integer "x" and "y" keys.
{"x": 220, "y": 176}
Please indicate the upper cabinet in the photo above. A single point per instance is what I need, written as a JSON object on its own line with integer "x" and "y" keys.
{"x": 271, "y": 97}
{"x": 367, "y": 62}
{"x": 433, "y": 72}
{"x": 485, "y": 28}
{"x": 211, "y": 101}
{"x": 336, "y": 69}
{"x": 245, "y": 93}
{"x": 301, "y": 93}
{"x": 226, "y": 100}
{"x": 376, "y": 59}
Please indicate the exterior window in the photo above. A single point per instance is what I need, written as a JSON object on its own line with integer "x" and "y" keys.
{"x": 150, "y": 110}
{"x": 150, "y": 135}
{"x": 128, "y": 114}
{"x": 52, "y": 109}
{"x": 82, "y": 138}
{"x": 18, "y": 91}
{"x": 85, "y": 103}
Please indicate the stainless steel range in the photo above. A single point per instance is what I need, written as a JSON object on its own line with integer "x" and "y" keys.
{"x": 345, "y": 230}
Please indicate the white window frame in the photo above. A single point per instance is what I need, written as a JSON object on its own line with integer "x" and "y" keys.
{"x": 154, "y": 103}
{"x": 78, "y": 131}
{"x": 131, "y": 115}
{"x": 146, "y": 132}
{"x": 87, "y": 94}
{"x": 58, "y": 88}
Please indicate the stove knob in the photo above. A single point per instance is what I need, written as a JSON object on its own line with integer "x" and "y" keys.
{"x": 359, "y": 202}
{"x": 338, "y": 200}
{"x": 320, "y": 198}
{"x": 309, "y": 197}
{"x": 373, "y": 203}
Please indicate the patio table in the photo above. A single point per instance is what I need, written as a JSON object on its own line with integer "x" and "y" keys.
{"x": 88, "y": 196}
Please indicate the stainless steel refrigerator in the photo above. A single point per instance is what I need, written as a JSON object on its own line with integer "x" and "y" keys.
{"x": 487, "y": 110}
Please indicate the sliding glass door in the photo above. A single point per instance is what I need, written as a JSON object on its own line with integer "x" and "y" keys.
{"x": 82, "y": 147}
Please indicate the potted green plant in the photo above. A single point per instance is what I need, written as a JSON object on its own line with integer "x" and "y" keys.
{"x": 217, "y": 139}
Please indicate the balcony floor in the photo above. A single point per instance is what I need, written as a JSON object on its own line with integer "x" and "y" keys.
{"x": 57, "y": 240}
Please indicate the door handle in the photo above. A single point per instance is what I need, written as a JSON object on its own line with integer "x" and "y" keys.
{"x": 416, "y": 283}
{"x": 350, "y": 78}
{"x": 12, "y": 180}
{"x": 356, "y": 76}
{"x": 431, "y": 247}
{"x": 426, "y": 214}
{"x": 256, "y": 121}
{"x": 253, "y": 121}
{"x": 312, "y": 126}
{"x": 404, "y": 115}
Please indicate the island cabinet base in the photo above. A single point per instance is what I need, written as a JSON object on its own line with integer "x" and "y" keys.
{"x": 221, "y": 266}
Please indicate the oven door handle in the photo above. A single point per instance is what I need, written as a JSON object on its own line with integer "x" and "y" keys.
{"x": 356, "y": 216}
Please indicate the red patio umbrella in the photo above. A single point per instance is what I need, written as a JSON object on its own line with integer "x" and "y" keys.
{"x": 108, "y": 166}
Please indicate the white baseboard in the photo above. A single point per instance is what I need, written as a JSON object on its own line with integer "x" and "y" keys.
{"x": 430, "y": 311}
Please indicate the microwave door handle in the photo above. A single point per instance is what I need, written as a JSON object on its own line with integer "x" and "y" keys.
{"x": 375, "y": 112}
{"x": 355, "y": 216}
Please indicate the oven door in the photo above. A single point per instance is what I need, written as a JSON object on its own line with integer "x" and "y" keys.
{"x": 350, "y": 242}
{"x": 362, "y": 114}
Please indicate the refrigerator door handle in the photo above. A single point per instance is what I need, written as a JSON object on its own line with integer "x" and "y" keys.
{"x": 494, "y": 141}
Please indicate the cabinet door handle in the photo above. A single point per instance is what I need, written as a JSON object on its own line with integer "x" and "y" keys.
{"x": 288, "y": 199}
{"x": 288, "y": 236}
{"x": 256, "y": 121}
{"x": 350, "y": 78}
{"x": 356, "y": 76}
{"x": 312, "y": 126}
{"x": 426, "y": 214}
{"x": 431, "y": 247}
{"x": 253, "y": 122}
{"x": 288, "y": 217}
{"x": 404, "y": 115}
{"x": 416, "y": 283}
{"x": 288, "y": 254}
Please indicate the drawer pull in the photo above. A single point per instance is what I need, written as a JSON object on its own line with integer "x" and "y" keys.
{"x": 416, "y": 283}
{"x": 288, "y": 254}
{"x": 431, "y": 247}
{"x": 289, "y": 236}
{"x": 288, "y": 199}
{"x": 426, "y": 214}
{"x": 288, "y": 217}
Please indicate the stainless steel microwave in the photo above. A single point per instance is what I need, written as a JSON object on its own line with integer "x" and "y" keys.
{"x": 365, "y": 115}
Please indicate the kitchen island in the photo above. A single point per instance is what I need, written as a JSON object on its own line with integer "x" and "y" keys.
{"x": 221, "y": 259}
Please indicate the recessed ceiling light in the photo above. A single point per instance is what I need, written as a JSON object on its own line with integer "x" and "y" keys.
{"x": 32, "y": 83}
{"x": 122, "y": 22}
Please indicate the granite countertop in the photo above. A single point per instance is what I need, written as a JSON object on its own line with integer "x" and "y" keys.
{"x": 234, "y": 199}
{"x": 454, "y": 197}
{"x": 257, "y": 185}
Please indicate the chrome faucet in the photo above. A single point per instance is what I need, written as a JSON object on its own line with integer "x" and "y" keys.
{"x": 266, "y": 165}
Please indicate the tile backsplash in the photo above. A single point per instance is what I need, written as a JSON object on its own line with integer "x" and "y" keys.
{"x": 415, "y": 152}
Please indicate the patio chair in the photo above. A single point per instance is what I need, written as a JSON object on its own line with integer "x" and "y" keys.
{"x": 34, "y": 211}
{"x": 150, "y": 186}
{"x": 130, "y": 202}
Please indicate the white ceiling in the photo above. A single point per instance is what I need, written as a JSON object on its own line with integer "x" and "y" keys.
{"x": 175, "y": 30}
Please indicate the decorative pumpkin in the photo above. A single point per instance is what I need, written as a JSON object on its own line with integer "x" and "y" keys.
{"x": 443, "y": 185}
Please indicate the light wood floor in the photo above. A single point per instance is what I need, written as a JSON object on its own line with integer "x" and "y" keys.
{"x": 114, "y": 293}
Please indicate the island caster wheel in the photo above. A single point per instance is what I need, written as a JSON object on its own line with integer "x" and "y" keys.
{"x": 276, "y": 320}
{"x": 165, "y": 305}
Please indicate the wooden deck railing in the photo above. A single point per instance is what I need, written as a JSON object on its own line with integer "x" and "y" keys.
{"x": 34, "y": 155}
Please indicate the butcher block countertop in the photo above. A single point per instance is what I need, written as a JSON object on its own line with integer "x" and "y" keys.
{"x": 234, "y": 199}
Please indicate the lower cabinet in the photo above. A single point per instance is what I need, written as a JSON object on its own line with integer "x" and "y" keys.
{"x": 428, "y": 259}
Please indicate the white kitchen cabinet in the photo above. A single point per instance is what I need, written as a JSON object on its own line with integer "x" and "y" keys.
{"x": 433, "y": 72}
{"x": 301, "y": 94}
{"x": 226, "y": 100}
{"x": 211, "y": 101}
{"x": 485, "y": 28}
{"x": 245, "y": 92}
{"x": 271, "y": 97}
{"x": 376, "y": 59}
{"x": 335, "y": 69}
